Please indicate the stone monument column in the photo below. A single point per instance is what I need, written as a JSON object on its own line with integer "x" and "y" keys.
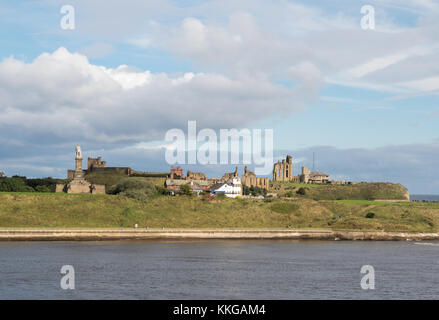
{"x": 79, "y": 174}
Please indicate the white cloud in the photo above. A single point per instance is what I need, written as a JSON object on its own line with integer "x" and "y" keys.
{"x": 376, "y": 64}
{"x": 333, "y": 43}
{"x": 240, "y": 47}
{"x": 60, "y": 96}
{"x": 307, "y": 73}
{"x": 260, "y": 39}
{"x": 128, "y": 78}
{"x": 155, "y": 146}
{"x": 427, "y": 84}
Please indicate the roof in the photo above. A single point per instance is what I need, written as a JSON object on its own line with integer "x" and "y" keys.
{"x": 196, "y": 186}
{"x": 179, "y": 182}
{"x": 318, "y": 173}
{"x": 217, "y": 186}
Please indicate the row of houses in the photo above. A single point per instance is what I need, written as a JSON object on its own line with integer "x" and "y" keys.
{"x": 230, "y": 184}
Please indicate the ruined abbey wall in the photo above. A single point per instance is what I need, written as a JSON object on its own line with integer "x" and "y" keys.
{"x": 251, "y": 180}
{"x": 283, "y": 170}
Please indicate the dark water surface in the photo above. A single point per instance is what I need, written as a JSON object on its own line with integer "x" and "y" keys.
{"x": 424, "y": 197}
{"x": 219, "y": 270}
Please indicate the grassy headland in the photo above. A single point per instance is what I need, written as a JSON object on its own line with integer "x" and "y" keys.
{"x": 50, "y": 210}
{"x": 345, "y": 207}
{"x": 359, "y": 191}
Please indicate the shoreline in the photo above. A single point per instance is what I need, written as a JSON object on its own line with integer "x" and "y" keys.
{"x": 207, "y": 234}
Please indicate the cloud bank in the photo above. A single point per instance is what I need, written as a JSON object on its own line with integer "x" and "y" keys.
{"x": 62, "y": 97}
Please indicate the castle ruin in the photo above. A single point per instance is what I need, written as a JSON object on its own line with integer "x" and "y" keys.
{"x": 94, "y": 163}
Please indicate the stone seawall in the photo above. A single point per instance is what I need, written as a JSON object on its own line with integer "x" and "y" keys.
{"x": 182, "y": 234}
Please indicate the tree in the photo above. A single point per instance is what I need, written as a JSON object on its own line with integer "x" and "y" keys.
{"x": 14, "y": 184}
{"x": 134, "y": 188}
{"x": 42, "y": 189}
{"x": 186, "y": 189}
{"x": 134, "y": 184}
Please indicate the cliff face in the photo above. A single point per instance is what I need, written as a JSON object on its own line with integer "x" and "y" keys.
{"x": 407, "y": 194}
{"x": 395, "y": 191}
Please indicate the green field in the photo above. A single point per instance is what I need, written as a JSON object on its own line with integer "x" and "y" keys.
{"x": 49, "y": 210}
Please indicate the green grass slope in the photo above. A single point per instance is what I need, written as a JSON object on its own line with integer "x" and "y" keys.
{"x": 45, "y": 210}
{"x": 360, "y": 191}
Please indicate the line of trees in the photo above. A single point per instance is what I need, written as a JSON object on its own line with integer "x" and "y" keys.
{"x": 253, "y": 191}
{"x": 23, "y": 184}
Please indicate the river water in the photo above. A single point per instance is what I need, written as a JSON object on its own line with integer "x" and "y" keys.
{"x": 219, "y": 269}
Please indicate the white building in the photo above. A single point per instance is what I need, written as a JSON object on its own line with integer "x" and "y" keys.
{"x": 229, "y": 189}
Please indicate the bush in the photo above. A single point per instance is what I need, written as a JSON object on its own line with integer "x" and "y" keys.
{"x": 42, "y": 189}
{"x": 186, "y": 190}
{"x": 164, "y": 191}
{"x": 370, "y": 215}
{"x": 220, "y": 196}
{"x": 132, "y": 187}
{"x": 139, "y": 195}
{"x": 22, "y": 184}
{"x": 48, "y": 182}
{"x": 289, "y": 194}
{"x": 253, "y": 191}
{"x": 134, "y": 184}
{"x": 301, "y": 191}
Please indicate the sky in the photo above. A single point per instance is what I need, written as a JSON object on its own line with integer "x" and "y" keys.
{"x": 365, "y": 101}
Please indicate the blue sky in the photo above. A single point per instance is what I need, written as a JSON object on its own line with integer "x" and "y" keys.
{"x": 132, "y": 70}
